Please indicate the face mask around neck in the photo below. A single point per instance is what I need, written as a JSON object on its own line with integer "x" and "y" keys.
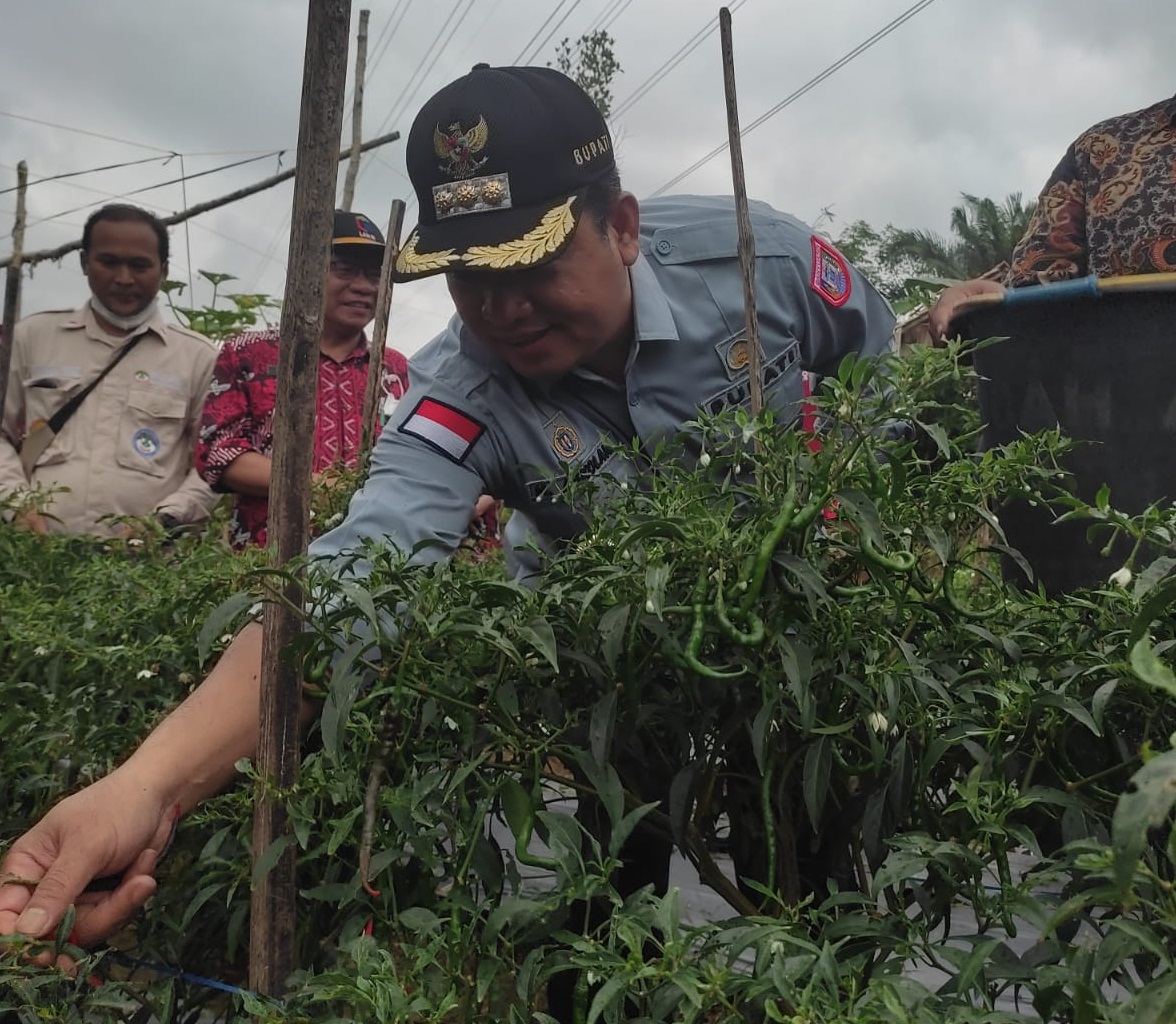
{"x": 124, "y": 323}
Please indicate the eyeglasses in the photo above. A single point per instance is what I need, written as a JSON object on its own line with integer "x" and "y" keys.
{"x": 350, "y": 271}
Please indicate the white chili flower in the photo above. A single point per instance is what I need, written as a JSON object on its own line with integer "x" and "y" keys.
{"x": 877, "y": 721}
{"x": 40, "y": 652}
{"x": 1121, "y": 577}
{"x": 650, "y": 606}
{"x": 144, "y": 673}
{"x": 704, "y": 459}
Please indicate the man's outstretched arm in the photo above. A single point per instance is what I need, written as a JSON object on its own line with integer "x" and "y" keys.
{"x": 119, "y": 824}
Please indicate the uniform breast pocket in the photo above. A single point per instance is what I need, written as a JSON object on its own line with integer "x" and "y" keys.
{"x": 44, "y": 394}
{"x": 151, "y": 429}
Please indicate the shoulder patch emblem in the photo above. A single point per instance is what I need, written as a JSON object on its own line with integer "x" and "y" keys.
{"x": 830, "y": 278}
{"x": 448, "y": 430}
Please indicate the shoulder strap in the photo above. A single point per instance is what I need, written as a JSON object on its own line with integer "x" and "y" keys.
{"x": 61, "y": 417}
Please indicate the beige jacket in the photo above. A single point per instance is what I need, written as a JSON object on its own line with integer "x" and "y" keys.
{"x": 127, "y": 449}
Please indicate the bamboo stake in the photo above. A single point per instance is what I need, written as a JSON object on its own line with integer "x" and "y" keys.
{"x": 356, "y": 111}
{"x": 371, "y": 395}
{"x": 272, "y": 909}
{"x": 12, "y": 283}
{"x": 212, "y": 204}
{"x": 746, "y": 238}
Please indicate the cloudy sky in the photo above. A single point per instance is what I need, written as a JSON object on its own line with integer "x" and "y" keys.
{"x": 977, "y": 96}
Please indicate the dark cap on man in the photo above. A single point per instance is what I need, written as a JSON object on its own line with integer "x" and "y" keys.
{"x": 500, "y": 160}
{"x": 356, "y": 233}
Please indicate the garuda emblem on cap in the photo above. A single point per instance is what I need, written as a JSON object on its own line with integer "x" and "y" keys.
{"x": 458, "y": 149}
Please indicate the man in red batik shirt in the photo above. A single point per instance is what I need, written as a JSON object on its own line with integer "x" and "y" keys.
{"x": 233, "y": 451}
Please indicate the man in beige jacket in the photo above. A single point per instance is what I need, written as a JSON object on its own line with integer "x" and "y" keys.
{"x": 127, "y": 448}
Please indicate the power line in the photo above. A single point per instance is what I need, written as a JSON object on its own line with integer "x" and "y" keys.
{"x": 417, "y": 75}
{"x": 538, "y": 32}
{"x": 123, "y": 142}
{"x": 672, "y": 62}
{"x": 609, "y": 22}
{"x": 602, "y": 17}
{"x": 812, "y": 83}
{"x": 81, "y": 131}
{"x": 182, "y": 180}
{"x": 554, "y": 29}
{"x": 92, "y": 170}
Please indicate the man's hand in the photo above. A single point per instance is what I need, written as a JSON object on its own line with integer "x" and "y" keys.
{"x": 32, "y": 521}
{"x": 952, "y": 300}
{"x": 105, "y": 830}
{"x": 483, "y": 505}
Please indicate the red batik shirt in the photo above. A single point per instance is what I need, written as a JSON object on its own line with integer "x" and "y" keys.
{"x": 1109, "y": 208}
{"x": 239, "y": 416}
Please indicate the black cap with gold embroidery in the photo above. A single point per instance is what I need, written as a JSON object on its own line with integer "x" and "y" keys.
{"x": 499, "y": 161}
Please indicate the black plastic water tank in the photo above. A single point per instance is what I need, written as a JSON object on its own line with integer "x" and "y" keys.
{"x": 1103, "y": 370}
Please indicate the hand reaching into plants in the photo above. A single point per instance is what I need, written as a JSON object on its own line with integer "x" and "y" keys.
{"x": 106, "y": 829}
{"x": 32, "y": 521}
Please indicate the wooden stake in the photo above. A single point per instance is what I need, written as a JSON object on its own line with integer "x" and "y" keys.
{"x": 194, "y": 211}
{"x": 272, "y": 912}
{"x": 371, "y": 396}
{"x": 746, "y": 237}
{"x": 356, "y": 111}
{"x": 12, "y": 282}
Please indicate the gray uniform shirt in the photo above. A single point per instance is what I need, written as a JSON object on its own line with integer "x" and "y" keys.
{"x": 468, "y": 424}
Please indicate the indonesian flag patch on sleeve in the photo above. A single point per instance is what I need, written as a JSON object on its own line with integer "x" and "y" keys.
{"x": 451, "y": 432}
{"x": 830, "y": 278}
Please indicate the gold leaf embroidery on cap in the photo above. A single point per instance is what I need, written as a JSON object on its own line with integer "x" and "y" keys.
{"x": 458, "y": 149}
{"x": 542, "y": 240}
{"x": 409, "y": 261}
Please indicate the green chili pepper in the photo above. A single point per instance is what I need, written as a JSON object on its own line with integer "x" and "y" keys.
{"x": 767, "y": 548}
{"x": 769, "y": 824}
{"x": 1006, "y": 884}
{"x": 519, "y": 809}
{"x": 697, "y": 630}
{"x": 900, "y": 561}
{"x": 957, "y": 606}
{"x": 753, "y": 637}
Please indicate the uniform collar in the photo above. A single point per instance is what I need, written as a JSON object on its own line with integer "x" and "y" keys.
{"x": 83, "y": 318}
{"x": 653, "y": 320}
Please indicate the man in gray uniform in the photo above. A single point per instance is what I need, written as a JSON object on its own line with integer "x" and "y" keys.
{"x": 579, "y": 320}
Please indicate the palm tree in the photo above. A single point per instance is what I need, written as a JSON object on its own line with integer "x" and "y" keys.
{"x": 985, "y": 234}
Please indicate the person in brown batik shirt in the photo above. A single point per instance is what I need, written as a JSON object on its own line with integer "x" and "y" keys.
{"x": 1108, "y": 209}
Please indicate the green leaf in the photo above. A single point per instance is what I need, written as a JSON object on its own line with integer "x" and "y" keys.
{"x": 612, "y": 626}
{"x": 1147, "y": 804}
{"x": 608, "y": 995}
{"x": 818, "y": 762}
{"x": 542, "y": 637}
{"x": 270, "y": 858}
{"x": 1146, "y": 664}
{"x": 219, "y": 620}
{"x": 600, "y": 728}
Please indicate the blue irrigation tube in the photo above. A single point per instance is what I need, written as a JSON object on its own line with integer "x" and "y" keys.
{"x": 1089, "y": 286}
{"x": 172, "y": 972}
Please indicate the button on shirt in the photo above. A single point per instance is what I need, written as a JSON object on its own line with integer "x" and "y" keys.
{"x": 127, "y": 449}
{"x": 469, "y": 424}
